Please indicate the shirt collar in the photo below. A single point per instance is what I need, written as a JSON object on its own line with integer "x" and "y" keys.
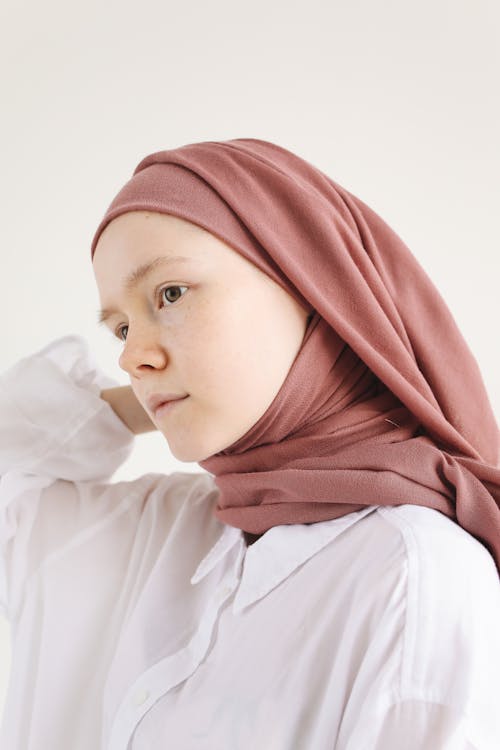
{"x": 275, "y": 555}
{"x": 230, "y": 535}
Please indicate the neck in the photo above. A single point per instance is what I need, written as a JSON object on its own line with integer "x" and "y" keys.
{"x": 250, "y": 538}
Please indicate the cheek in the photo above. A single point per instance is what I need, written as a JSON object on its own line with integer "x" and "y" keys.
{"x": 221, "y": 352}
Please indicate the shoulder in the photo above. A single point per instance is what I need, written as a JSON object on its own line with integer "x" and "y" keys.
{"x": 152, "y": 512}
{"x": 442, "y": 587}
{"x": 439, "y": 551}
{"x": 440, "y": 569}
{"x": 188, "y": 498}
{"x": 427, "y": 548}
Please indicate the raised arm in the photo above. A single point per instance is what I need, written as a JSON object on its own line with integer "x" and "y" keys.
{"x": 124, "y": 403}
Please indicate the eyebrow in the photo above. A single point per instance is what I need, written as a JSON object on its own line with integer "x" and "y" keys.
{"x": 140, "y": 273}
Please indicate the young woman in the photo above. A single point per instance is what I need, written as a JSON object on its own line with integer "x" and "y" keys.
{"x": 330, "y": 578}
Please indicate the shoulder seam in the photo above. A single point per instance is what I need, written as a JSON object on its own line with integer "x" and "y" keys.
{"x": 412, "y": 608}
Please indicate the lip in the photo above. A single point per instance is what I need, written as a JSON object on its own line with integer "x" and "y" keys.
{"x": 156, "y": 400}
{"x": 167, "y": 406}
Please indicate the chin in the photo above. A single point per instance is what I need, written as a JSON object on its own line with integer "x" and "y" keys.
{"x": 187, "y": 454}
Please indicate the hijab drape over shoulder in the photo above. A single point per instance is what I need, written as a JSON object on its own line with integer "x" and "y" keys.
{"x": 384, "y": 403}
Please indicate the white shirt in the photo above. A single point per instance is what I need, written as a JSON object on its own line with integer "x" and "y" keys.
{"x": 140, "y": 621}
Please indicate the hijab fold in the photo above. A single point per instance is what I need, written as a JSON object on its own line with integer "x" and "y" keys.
{"x": 385, "y": 403}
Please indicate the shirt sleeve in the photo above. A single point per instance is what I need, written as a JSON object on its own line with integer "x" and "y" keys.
{"x": 55, "y": 431}
{"x": 52, "y": 419}
{"x": 416, "y": 724}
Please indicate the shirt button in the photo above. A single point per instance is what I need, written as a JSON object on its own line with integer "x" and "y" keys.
{"x": 226, "y": 590}
{"x": 141, "y": 696}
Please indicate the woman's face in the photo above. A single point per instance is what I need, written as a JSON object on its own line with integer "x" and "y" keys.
{"x": 213, "y": 327}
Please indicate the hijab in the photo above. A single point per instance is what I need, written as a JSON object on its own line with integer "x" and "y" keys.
{"x": 384, "y": 403}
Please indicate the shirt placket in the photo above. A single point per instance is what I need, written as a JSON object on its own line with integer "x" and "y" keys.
{"x": 156, "y": 681}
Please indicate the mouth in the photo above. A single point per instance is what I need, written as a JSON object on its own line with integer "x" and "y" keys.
{"x": 167, "y": 406}
{"x": 154, "y": 400}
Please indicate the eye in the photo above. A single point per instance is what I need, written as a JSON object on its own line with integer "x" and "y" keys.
{"x": 120, "y": 329}
{"x": 166, "y": 289}
{"x": 118, "y": 332}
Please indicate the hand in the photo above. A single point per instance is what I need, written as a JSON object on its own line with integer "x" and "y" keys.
{"x": 124, "y": 403}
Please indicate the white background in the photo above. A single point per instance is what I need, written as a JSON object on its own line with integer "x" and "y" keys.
{"x": 396, "y": 101}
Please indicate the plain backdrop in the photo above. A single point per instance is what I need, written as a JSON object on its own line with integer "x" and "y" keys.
{"x": 396, "y": 101}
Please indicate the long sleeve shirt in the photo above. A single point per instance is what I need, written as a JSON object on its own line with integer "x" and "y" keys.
{"x": 140, "y": 621}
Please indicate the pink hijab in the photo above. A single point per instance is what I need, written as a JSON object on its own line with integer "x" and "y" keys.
{"x": 384, "y": 403}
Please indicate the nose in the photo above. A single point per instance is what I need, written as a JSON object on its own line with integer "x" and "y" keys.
{"x": 142, "y": 350}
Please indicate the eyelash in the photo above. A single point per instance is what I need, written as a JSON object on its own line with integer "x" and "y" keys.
{"x": 160, "y": 291}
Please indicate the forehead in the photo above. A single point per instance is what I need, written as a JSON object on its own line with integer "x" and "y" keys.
{"x": 136, "y": 238}
{"x": 134, "y": 244}
{"x": 138, "y": 235}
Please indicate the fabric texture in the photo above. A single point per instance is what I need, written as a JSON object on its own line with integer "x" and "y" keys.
{"x": 142, "y": 622}
{"x": 385, "y": 402}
